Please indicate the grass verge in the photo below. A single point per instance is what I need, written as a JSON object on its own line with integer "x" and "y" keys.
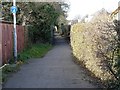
{"x": 35, "y": 51}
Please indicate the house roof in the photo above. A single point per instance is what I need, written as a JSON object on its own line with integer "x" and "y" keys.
{"x": 115, "y": 12}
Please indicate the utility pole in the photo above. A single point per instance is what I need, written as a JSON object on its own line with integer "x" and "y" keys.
{"x": 14, "y": 32}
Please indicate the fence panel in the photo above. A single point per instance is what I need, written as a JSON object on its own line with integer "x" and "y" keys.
{"x": 6, "y": 39}
{"x": 20, "y": 38}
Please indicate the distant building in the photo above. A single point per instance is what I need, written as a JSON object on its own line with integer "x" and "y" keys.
{"x": 73, "y": 22}
{"x": 89, "y": 18}
{"x": 116, "y": 13}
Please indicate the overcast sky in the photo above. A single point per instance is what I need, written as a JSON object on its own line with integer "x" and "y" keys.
{"x": 83, "y": 7}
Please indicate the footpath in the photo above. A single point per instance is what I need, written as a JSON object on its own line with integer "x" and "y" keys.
{"x": 55, "y": 70}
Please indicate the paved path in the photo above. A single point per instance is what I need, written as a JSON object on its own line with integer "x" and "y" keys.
{"x": 55, "y": 70}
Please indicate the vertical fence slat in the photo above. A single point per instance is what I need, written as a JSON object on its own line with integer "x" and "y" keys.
{"x": 3, "y": 43}
{"x": 0, "y": 44}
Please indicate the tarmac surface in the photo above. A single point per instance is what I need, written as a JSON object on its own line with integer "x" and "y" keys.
{"x": 55, "y": 70}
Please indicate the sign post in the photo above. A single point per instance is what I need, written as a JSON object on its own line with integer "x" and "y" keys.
{"x": 14, "y": 10}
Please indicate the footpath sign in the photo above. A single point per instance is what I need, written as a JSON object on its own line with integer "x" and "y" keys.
{"x": 13, "y": 9}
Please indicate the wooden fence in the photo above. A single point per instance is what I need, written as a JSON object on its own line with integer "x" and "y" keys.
{"x": 6, "y": 40}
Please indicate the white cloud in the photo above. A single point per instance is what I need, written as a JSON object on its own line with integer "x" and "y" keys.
{"x": 83, "y": 7}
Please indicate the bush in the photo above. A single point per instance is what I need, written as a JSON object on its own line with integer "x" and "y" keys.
{"x": 93, "y": 43}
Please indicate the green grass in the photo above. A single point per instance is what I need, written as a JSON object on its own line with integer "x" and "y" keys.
{"x": 35, "y": 51}
{"x": 7, "y": 70}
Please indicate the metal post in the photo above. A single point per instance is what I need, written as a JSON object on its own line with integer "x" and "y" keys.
{"x": 15, "y": 34}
